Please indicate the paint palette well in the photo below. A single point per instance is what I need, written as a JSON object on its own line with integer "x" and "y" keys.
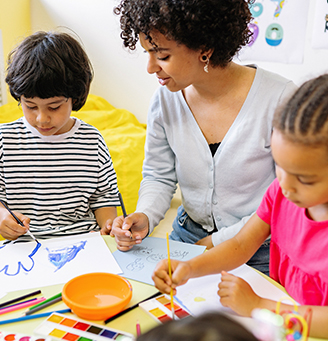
{"x": 61, "y": 327}
{"x": 6, "y": 336}
{"x": 160, "y": 309}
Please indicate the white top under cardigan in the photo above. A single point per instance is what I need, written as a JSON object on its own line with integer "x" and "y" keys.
{"x": 227, "y": 187}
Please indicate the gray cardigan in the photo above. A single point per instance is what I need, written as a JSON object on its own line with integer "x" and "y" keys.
{"x": 227, "y": 187}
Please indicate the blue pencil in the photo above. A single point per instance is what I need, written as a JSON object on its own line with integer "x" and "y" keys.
{"x": 30, "y": 317}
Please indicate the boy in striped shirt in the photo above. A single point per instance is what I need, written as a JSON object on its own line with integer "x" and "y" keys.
{"x": 56, "y": 172}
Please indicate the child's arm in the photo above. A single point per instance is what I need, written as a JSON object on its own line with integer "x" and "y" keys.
{"x": 9, "y": 228}
{"x": 226, "y": 256}
{"x": 105, "y": 217}
{"x": 238, "y": 295}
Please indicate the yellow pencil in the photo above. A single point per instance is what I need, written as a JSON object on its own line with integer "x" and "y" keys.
{"x": 170, "y": 273}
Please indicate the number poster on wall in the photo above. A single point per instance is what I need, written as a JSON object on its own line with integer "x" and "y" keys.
{"x": 320, "y": 25}
{"x": 279, "y": 28}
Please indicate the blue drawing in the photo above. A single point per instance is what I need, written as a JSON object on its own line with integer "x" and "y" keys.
{"x": 59, "y": 257}
{"x": 26, "y": 266}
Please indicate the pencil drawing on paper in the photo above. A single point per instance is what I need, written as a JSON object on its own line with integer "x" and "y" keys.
{"x": 146, "y": 254}
{"x": 12, "y": 266}
{"x": 61, "y": 256}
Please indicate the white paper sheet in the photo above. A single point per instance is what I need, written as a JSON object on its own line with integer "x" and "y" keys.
{"x": 199, "y": 295}
{"x": 139, "y": 262}
{"x": 54, "y": 261}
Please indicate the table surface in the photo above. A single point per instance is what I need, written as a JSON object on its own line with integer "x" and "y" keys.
{"x": 126, "y": 323}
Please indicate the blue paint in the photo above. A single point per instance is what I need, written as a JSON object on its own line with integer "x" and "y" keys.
{"x": 20, "y": 266}
{"x": 64, "y": 255}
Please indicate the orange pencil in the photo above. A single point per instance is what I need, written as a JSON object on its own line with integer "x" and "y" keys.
{"x": 170, "y": 272}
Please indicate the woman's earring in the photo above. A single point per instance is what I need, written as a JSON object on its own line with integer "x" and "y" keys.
{"x": 206, "y": 65}
{"x": 207, "y": 62}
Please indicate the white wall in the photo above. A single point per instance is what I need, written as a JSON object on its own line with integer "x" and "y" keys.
{"x": 120, "y": 76}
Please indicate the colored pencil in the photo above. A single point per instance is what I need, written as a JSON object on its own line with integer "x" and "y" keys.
{"x": 36, "y": 316}
{"x": 170, "y": 273}
{"x": 138, "y": 328}
{"x": 132, "y": 307}
{"x": 46, "y": 301}
{"x": 12, "y": 305}
{"x": 18, "y": 220}
{"x": 20, "y": 298}
{"x": 43, "y": 305}
{"x": 20, "y": 306}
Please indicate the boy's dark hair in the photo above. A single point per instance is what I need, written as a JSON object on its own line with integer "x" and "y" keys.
{"x": 304, "y": 118}
{"x": 50, "y": 64}
{"x": 220, "y": 25}
{"x": 206, "y": 327}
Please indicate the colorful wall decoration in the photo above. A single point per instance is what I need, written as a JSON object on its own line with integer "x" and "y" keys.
{"x": 279, "y": 28}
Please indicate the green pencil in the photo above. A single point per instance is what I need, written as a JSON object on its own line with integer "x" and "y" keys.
{"x": 47, "y": 300}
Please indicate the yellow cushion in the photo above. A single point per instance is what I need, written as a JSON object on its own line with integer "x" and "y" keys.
{"x": 123, "y": 134}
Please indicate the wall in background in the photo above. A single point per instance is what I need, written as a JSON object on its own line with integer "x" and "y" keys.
{"x": 120, "y": 75}
{"x": 15, "y": 23}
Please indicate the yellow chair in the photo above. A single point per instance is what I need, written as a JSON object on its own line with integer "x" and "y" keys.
{"x": 123, "y": 134}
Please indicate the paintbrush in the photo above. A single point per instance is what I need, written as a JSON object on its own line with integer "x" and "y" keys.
{"x": 18, "y": 221}
{"x": 170, "y": 274}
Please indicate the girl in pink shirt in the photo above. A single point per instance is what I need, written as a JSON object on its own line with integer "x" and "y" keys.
{"x": 294, "y": 211}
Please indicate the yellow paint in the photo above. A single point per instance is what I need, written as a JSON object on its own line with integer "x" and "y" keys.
{"x": 199, "y": 299}
{"x": 157, "y": 312}
{"x": 55, "y": 318}
{"x": 57, "y": 333}
{"x": 15, "y": 24}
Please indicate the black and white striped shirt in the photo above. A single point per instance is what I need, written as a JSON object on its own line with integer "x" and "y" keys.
{"x": 57, "y": 181}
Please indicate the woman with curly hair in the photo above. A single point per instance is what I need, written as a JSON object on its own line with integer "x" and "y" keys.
{"x": 209, "y": 124}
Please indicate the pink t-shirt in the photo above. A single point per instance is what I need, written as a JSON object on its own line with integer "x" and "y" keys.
{"x": 299, "y": 248}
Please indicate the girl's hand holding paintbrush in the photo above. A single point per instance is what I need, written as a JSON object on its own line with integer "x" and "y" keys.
{"x": 181, "y": 272}
{"x": 9, "y": 228}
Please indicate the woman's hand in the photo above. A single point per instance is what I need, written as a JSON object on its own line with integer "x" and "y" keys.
{"x": 130, "y": 230}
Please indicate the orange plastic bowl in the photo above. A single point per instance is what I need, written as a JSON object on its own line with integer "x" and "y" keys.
{"x": 97, "y": 295}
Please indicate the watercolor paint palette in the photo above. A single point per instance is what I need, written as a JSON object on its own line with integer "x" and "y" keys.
{"x": 160, "y": 309}
{"x": 6, "y": 336}
{"x": 63, "y": 328}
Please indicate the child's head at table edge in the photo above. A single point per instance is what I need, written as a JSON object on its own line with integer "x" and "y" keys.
{"x": 213, "y": 326}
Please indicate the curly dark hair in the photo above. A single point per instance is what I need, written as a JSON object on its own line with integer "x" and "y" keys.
{"x": 50, "y": 64}
{"x": 221, "y": 25}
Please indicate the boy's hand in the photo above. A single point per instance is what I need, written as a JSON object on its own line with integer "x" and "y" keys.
{"x": 237, "y": 294}
{"x": 181, "y": 272}
{"x": 130, "y": 230}
{"x": 9, "y": 228}
{"x": 106, "y": 229}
